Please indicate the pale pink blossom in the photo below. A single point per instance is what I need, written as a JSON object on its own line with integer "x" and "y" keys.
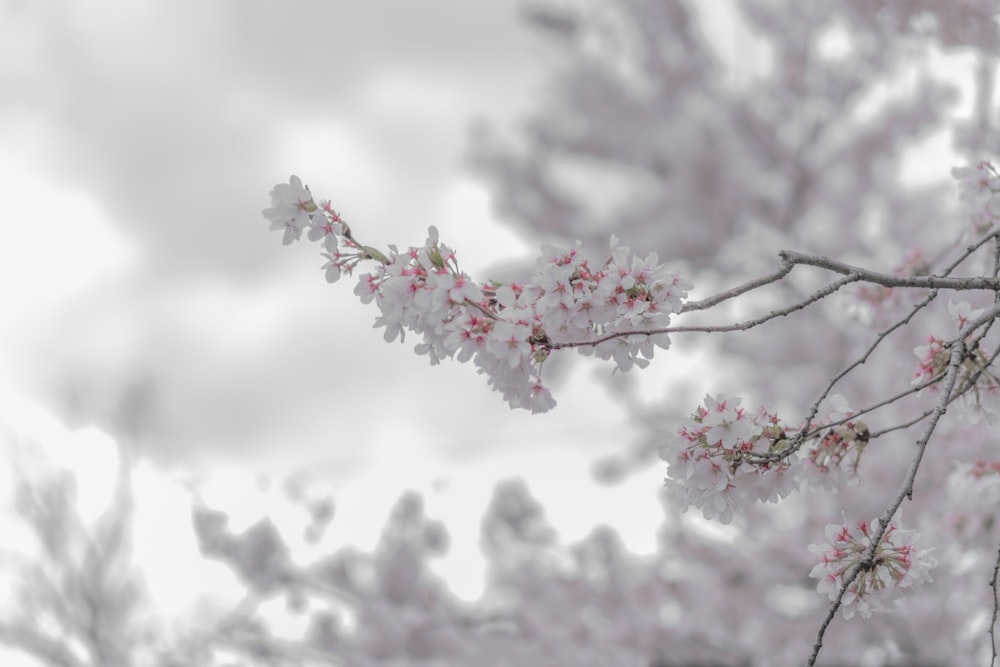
{"x": 897, "y": 563}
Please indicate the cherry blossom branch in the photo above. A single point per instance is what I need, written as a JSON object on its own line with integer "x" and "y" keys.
{"x": 957, "y": 355}
{"x": 727, "y": 455}
{"x": 958, "y": 352}
{"x": 970, "y": 383}
{"x": 625, "y": 300}
{"x": 419, "y": 289}
{"x": 789, "y": 259}
{"x": 906, "y": 491}
{"x": 806, "y": 432}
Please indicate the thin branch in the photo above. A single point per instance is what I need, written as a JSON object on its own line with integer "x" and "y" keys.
{"x": 993, "y": 622}
{"x": 969, "y": 250}
{"x": 850, "y": 576}
{"x": 886, "y": 280}
{"x": 790, "y": 258}
{"x": 872, "y": 408}
{"x": 903, "y": 426}
{"x": 716, "y": 299}
{"x": 996, "y": 262}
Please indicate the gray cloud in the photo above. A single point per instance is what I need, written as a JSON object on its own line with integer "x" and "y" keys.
{"x": 178, "y": 118}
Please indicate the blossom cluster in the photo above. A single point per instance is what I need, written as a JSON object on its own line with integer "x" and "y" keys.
{"x": 835, "y": 455}
{"x": 723, "y": 458}
{"x": 506, "y": 330}
{"x": 977, "y": 379}
{"x": 726, "y": 456}
{"x": 895, "y": 564}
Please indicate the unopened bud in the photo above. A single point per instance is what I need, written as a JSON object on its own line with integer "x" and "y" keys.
{"x": 372, "y": 253}
{"x": 436, "y": 259}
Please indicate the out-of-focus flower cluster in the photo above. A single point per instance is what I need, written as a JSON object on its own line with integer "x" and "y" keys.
{"x": 592, "y": 605}
{"x": 895, "y": 564}
{"x": 835, "y": 456}
{"x": 881, "y": 299}
{"x": 979, "y": 192}
{"x": 506, "y": 330}
{"x": 973, "y": 494}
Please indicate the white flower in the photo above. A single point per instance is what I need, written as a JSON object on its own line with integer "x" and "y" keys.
{"x": 508, "y": 342}
{"x": 332, "y": 268}
{"x": 326, "y": 228}
{"x": 839, "y": 407}
{"x": 962, "y": 312}
{"x": 727, "y": 427}
{"x": 291, "y": 204}
{"x": 976, "y": 185}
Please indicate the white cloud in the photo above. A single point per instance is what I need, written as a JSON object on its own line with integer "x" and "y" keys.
{"x": 54, "y": 243}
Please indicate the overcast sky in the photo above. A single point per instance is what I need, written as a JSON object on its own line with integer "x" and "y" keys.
{"x": 138, "y": 145}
